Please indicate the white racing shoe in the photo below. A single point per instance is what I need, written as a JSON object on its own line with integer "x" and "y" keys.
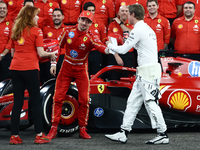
{"x": 119, "y": 136}
{"x": 161, "y": 138}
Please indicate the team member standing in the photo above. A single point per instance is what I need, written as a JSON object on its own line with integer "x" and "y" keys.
{"x": 71, "y": 10}
{"x": 120, "y": 3}
{"x": 95, "y": 58}
{"x": 186, "y": 34}
{"x": 5, "y": 32}
{"x": 52, "y": 32}
{"x": 46, "y": 9}
{"x": 158, "y": 23}
{"x": 170, "y": 9}
{"x": 79, "y": 42}
{"x": 27, "y": 40}
{"x": 105, "y": 10}
{"x": 115, "y": 28}
{"x": 14, "y": 7}
{"x": 146, "y": 87}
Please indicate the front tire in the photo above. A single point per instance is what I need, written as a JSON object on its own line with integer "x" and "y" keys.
{"x": 69, "y": 116}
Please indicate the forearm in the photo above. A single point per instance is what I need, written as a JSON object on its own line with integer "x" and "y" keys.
{"x": 122, "y": 49}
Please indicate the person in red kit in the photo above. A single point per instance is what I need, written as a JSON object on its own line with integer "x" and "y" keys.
{"x": 46, "y": 9}
{"x": 185, "y": 34}
{"x": 95, "y": 57}
{"x": 71, "y": 10}
{"x": 115, "y": 28}
{"x": 5, "y": 33}
{"x": 158, "y": 23}
{"x": 105, "y": 10}
{"x": 120, "y": 3}
{"x": 14, "y": 7}
{"x": 79, "y": 42}
{"x": 52, "y": 32}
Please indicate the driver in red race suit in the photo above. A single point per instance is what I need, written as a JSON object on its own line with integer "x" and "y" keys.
{"x": 79, "y": 42}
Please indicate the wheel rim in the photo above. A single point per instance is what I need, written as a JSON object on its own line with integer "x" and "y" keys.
{"x": 69, "y": 110}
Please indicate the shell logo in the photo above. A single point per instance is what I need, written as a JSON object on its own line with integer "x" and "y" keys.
{"x": 180, "y": 26}
{"x": 123, "y": 3}
{"x": 180, "y": 100}
{"x": 21, "y": 41}
{"x": 115, "y": 29}
{"x": 10, "y": 3}
{"x": 69, "y": 41}
{"x": 50, "y": 34}
{"x": 64, "y": 1}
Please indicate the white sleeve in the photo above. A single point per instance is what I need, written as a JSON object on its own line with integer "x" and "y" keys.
{"x": 132, "y": 40}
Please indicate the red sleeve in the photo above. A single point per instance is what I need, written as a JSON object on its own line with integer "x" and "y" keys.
{"x": 103, "y": 33}
{"x": 179, "y": 2}
{"x": 111, "y": 11}
{"x": 39, "y": 38}
{"x": 167, "y": 31}
{"x": 97, "y": 44}
{"x": 62, "y": 38}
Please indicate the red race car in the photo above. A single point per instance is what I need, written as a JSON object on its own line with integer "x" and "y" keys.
{"x": 180, "y": 102}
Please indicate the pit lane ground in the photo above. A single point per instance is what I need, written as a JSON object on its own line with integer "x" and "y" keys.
{"x": 180, "y": 139}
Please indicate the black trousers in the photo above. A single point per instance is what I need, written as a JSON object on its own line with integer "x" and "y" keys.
{"x": 30, "y": 80}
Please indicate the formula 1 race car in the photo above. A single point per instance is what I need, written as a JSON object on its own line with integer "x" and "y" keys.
{"x": 179, "y": 87}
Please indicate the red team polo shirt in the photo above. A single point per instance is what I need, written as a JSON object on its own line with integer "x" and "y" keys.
{"x": 187, "y": 35}
{"x": 5, "y": 29}
{"x": 114, "y": 27}
{"x": 130, "y": 2}
{"x": 71, "y": 10}
{"x": 14, "y": 7}
{"x": 161, "y": 27}
{"x": 167, "y": 8}
{"x": 104, "y": 10}
{"x": 50, "y": 32}
{"x": 100, "y": 29}
{"x": 46, "y": 10}
{"x": 25, "y": 56}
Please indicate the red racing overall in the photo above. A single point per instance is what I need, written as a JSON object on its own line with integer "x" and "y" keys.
{"x": 78, "y": 46}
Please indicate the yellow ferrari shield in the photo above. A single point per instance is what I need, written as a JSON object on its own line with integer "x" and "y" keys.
{"x": 101, "y": 88}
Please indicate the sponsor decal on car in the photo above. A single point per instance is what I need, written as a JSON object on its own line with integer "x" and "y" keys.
{"x": 179, "y": 99}
{"x": 194, "y": 68}
{"x": 98, "y": 112}
{"x": 100, "y": 88}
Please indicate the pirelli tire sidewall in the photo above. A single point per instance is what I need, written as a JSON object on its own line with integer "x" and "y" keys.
{"x": 63, "y": 130}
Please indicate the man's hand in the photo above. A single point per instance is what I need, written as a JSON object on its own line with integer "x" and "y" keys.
{"x": 117, "y": 20}
{"x": 53, "y": 70}
{"x": 53, "y": 55}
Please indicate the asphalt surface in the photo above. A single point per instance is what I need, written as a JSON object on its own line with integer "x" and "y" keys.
{"x": 179, "y": 140}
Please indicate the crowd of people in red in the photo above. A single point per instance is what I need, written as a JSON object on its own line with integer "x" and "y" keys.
{"x": 176, "y": 24}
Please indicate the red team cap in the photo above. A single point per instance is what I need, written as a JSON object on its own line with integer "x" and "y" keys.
{"x": 86, "y": 14}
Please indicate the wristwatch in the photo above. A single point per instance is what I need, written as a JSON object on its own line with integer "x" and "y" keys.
{"x": 2, "y": 56}
{"x": 121, "y": 23}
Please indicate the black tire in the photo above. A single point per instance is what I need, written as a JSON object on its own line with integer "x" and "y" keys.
{"x": 69, "y": 118}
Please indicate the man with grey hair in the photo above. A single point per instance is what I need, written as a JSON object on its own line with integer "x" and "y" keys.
{"x": 146, "y": 87}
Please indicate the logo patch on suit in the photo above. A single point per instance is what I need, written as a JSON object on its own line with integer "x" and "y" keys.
{"x": 71, "y": 34}
{"x": 73, "y": 54}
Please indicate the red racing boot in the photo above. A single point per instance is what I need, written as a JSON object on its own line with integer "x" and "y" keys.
{"x": 52, "y": 133}
{"x": 42, "y": 139}
{"x": 83, "y": 134}
{"x": 15, "y": 140}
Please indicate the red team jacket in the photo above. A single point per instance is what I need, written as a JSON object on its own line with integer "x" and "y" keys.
{"x": 79, "y": 44}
